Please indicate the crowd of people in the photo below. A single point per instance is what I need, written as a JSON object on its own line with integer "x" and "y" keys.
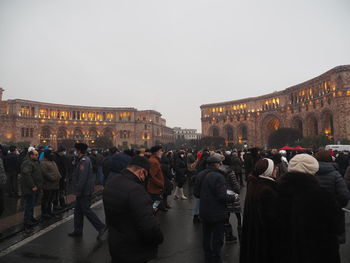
{"x": 292, "y": 210}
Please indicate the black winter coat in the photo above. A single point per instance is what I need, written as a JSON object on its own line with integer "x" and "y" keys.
{"x": 213, "y": 196}
{"x": 134, "y": 233}
{"x": 259, "y": 231}
{"x": 332, "y": 181}
{"x": 309, "y": 217}
{"x": 180, "y": 168}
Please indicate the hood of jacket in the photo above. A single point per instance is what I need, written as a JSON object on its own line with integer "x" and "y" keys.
{"x": 326, "y": 168}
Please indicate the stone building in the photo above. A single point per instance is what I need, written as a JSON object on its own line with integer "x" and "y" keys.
{"x": 186, "y": 134}
{"x": 43, "y": 123}
{"x": 319, "y": 105}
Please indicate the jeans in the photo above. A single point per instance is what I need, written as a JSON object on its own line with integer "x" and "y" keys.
{"x": 82, "y": 208}
{"x": 213, "y": 241}
{"x": 29, "y": 204}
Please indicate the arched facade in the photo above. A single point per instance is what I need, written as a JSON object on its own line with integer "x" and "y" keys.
{"x": 49, "y": 124}
{"x": 318, "y": 106}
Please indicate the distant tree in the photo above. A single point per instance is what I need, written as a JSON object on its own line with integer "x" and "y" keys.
{"x": 67, "y": 143}
{"x": 103, "y": 142}
{"x": 212, "y": 142}
{"x": 284, "y": 136}
{"x": 316, "y": 141}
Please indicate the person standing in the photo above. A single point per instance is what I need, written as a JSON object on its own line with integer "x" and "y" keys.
{"x": 61, "y": 161}
{"x": 83, "y": 187}
{"x": 134, "y": 233}
{"x": 180, "y": 168}
{"x": 51, "y": 179}
{"x": 308, "y": 216}
{"x": 155, "y": 181}
{"x": 260, "y": 216}
{"x": 2, "y": 187}
{"x": 31, "y": 184}
{"x": 12, "y": 168}
{"x": 212, "y": 211}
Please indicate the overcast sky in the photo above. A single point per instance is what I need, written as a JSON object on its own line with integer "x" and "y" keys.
{"x": 170, "y": 56}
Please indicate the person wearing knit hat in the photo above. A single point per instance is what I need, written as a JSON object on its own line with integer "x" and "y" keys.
{"x": 303, "y": 163}
{"x": 260, "y": 217}
{"x": 308, "y": 213}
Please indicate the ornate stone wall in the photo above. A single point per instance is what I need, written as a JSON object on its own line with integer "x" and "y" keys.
{"x": 46, "y": 123}
{"x": 320, "y": 105}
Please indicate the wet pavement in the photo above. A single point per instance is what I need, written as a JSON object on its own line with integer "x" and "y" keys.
{"x": 182, "y": 241}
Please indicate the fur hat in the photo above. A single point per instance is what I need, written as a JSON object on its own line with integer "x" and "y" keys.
{"x": 81, "y": 147}
{"x": 303, "y": 163}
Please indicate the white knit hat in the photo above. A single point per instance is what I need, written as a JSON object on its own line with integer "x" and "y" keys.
{"x": 303, "y": 163}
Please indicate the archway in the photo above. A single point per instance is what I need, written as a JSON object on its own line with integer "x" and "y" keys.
{"x": 78, "y": 135}
{"x": 62, "y": 133}
{"x": 297, "y": 123}
{"x": 311, "y": 125}
{"x": 214, "y": 131}
{"x": 93, "y": 134}
{"x": 242, "y": 134}
{"x": 46, "y": 135}
{"x": 327, "y": 123}
{"x": 108, "y": 132}
{"x": 270, "y": 124}
{"x": 229, "y": 135}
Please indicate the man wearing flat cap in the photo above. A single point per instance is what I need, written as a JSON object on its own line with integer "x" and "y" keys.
{"x": 83, "y": 187}
{"x": 213, "y": 199}
{"x": 134, "y": 233}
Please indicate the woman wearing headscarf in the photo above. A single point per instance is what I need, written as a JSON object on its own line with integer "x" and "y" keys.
{"x": 259, "y": 219}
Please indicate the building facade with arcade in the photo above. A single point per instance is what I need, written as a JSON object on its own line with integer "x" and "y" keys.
{"x": 319, "y": 105}
{"x": 41, "y": 123}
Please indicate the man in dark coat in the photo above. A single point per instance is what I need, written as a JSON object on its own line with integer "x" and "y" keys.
{"x": 12, "y": 168}
{"x": 61, "y": 161}
{"x": 31, "y": 184}
{"x": 212, "y": 211}
{"x": 83, "y": 185}
{"x": 309, "y": 216}
{"x": 134, "y": 233}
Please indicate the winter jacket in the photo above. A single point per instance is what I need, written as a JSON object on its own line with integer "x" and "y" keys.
{"x": 3, "y": 178}
{"x": 155, "y": 181}
{"x": 134, "y": 233}
{"x": 12, "y": 164}
{"x": 83, "y": 177}
{"x": 31, "y": 176}
{"x": 260, "y": 218}
{"x": 331, "y": 180}
{"x": 233, "y": 185}
{"x": 168, "y": 176}
{"x": 180, "y": 168}
{"x": 51, "y": 175}
{"x": 308, "y": 221}
{"x": 213, "y": 195}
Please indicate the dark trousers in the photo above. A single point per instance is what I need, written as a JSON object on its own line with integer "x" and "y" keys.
{"x": 2, "y": 205}
{"x": 81, "y": 209}
{"x": 47, "y": 200}
{"x": 213, "y": 241}
{"x": 12, "y": 183}
{"x": 29, "y": 204}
